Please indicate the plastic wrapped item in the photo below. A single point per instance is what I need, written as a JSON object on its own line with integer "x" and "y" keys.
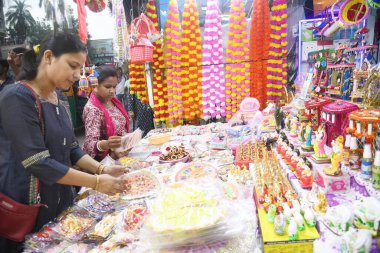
{"x": 103, "y": 228}
{"x": 128, "y": 141}
{"x": 140, "y": 184}
{"x": 115, "y": 244}
{"x": 97, "y": 203}
{"x": 133, "y": 216}
{"x": 133, "y": 164}
{"x": 73, "y": 224}
{"x": 41, "y": 240}
{"x": 68, "y": 247}
{"x": 187, "y": 214}
{"x": 195, "y": 171}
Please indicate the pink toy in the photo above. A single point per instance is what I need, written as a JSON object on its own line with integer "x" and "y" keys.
{"x": 335, "y": 117}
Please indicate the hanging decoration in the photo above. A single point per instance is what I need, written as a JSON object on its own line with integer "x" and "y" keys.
{"x": 82, "y": 26}
{"x": 121, "y": 38}
{"x": 277, "y": 64}
{"x": 160, "y": 91}
{"x": 141, "y": 48}
{"x": 374, "y": 4}
{"x": 213, "y": 82}
{"x": 96, "y": 5}
{"x": 259, "y": 50}
{"x": 352, "y": 12}
{"x": 137, "y": 82}
{"x": 191, "y": 62}
{"x": 173, "y": 61}
{"x": 237, "y": 57}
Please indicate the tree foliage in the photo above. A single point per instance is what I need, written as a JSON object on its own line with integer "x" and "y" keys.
{"x": 19, "y": 18}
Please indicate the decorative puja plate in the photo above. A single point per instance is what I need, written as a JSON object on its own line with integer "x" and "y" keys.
{"x": 195, "y": 171}
{"x": 140, "y": 184}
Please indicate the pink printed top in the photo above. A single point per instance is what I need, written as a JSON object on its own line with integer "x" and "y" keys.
{"x": 95, "y": 129}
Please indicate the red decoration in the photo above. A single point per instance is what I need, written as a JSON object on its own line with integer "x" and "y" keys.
{"x": 96, "y": 5}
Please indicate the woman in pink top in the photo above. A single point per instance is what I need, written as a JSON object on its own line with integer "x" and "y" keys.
{"x": 104, "y": 117}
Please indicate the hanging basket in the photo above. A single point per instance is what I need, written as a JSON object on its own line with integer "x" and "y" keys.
{"x": 141, "y": 51}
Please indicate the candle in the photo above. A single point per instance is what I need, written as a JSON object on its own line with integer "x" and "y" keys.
{"x": 369, "y": 128}
{"x": 358, "y": 127}
{"x": 351, "y": 124}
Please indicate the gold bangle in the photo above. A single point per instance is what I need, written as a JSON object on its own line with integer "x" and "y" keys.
{"x": 97, "y": 182}
{"x": 102, "y": 167}
{"x": 98, "y": 169}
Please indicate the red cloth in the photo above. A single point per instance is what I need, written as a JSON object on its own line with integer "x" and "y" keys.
{"x": 82, "y": 15}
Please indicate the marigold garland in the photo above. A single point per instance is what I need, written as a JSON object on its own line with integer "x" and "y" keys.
{"x": 213, "y": 82}
{"x": 277, "y": 65}
{"x": 160, "y": 90}
{"x": 137, "y": 81}
{"x": 173, "y": 62}
{"x": 259, "y": 49}
{"x": 237, "y": 57}
{"x": 191, "y": 61}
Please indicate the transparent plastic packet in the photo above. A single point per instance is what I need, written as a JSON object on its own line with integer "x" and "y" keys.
{"x": 39, "y": 241}
{"x": 188, "y": 213}
{"x": 97, "y": 203}
{"x": 140, "y": 184}
{"x": 73, "y": 223}
{"x": 132, "y": 217}
{"x": 69, "y": 247}
{"x": 118, "y": 242}
{"x": 103, "y": 228}
{"x": 129, "y": 140}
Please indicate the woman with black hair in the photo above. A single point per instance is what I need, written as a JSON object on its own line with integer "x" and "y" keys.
{"x": 104, "y": 117}
{"x": 40, "y": 144}
{"x": 15, "y": 60}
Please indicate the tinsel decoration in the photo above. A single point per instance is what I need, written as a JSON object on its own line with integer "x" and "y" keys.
{"x": 160, "y": 90}
{"x": 237, "y": 57}
{"x": 213, "y": 82}
{"x": 121, "y": 32}
{"x": 173, "y": 63}
{"x": 191, "y": 62}
{"x": 259, "y": 50}
{"x": 277, "y": 64}
{"x": 137, "y": 82}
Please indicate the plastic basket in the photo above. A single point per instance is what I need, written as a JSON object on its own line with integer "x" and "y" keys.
{"x": 141, "y": 54}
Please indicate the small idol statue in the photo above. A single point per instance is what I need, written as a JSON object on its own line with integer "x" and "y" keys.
{"x": 319, "y": 155}
{"x": 301, "y": 132}
{"x": 336, "y": 158}
{"x": 308, "y": 132}
{"x": 294, "y": 127}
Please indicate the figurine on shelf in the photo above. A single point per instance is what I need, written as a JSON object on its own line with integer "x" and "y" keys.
{"x": 313, "y": 194}
{"x": 279, "y": 224}
{"x": 292, "y": 230}
{"x": 271, "y": 213}
{"x": 294, "y": 127}
{"x": 336, "y": 158}
{"x": 310, "y": 217}
{"x": 306, "y": 178}
{"x": 322, "y": 204}
{"x": 300, "y": 224}
{"x": 279, "y": 117}
{"x": 301, "y": 132}
{"x": 308, "y": 132}
{"x": 319, "y": 146}
{"x": 287, "y": 122}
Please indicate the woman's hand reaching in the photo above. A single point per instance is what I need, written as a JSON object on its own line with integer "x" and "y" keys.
{"x": 110, "y": 185}
{"x": 115, "y": 170}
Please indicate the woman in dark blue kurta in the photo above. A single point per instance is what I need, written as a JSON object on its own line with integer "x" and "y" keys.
{"x": 51, "y": 154}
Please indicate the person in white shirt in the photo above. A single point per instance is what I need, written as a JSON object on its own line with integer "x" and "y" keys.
{"x": 121, "y": 84}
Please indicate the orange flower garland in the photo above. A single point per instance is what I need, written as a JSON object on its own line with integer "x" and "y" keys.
{"x": 259, "y": 49}
{"x": 277, "y": 64}
{"x": 237, "y": 57}
{"x": 191, "y": 61}
{"x": 160, "y": 90}
{"x": 173, "y": 61}
{"x": 138, "y": 82}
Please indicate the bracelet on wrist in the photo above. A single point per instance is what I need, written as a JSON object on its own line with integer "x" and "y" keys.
{"x": 102, "y": 167}
{"x": 99, "y": 147}
{"x": 98, "y": 169}
{"x": 97, "y": 182}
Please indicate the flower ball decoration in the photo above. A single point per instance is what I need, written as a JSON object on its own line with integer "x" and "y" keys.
{"x": 138, "y": 82}
{"x": 213, "y": 82}
{"x": 237, "y": 57}
{"x": 173, "y": 62}
{"x": 277, "y": 64}
{"x": 160, "y": 91}
{"x": 191, "y": 61}
{"x": 259, "y": 49}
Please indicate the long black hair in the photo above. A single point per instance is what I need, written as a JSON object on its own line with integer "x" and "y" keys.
{"x": 60, "y": 43}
